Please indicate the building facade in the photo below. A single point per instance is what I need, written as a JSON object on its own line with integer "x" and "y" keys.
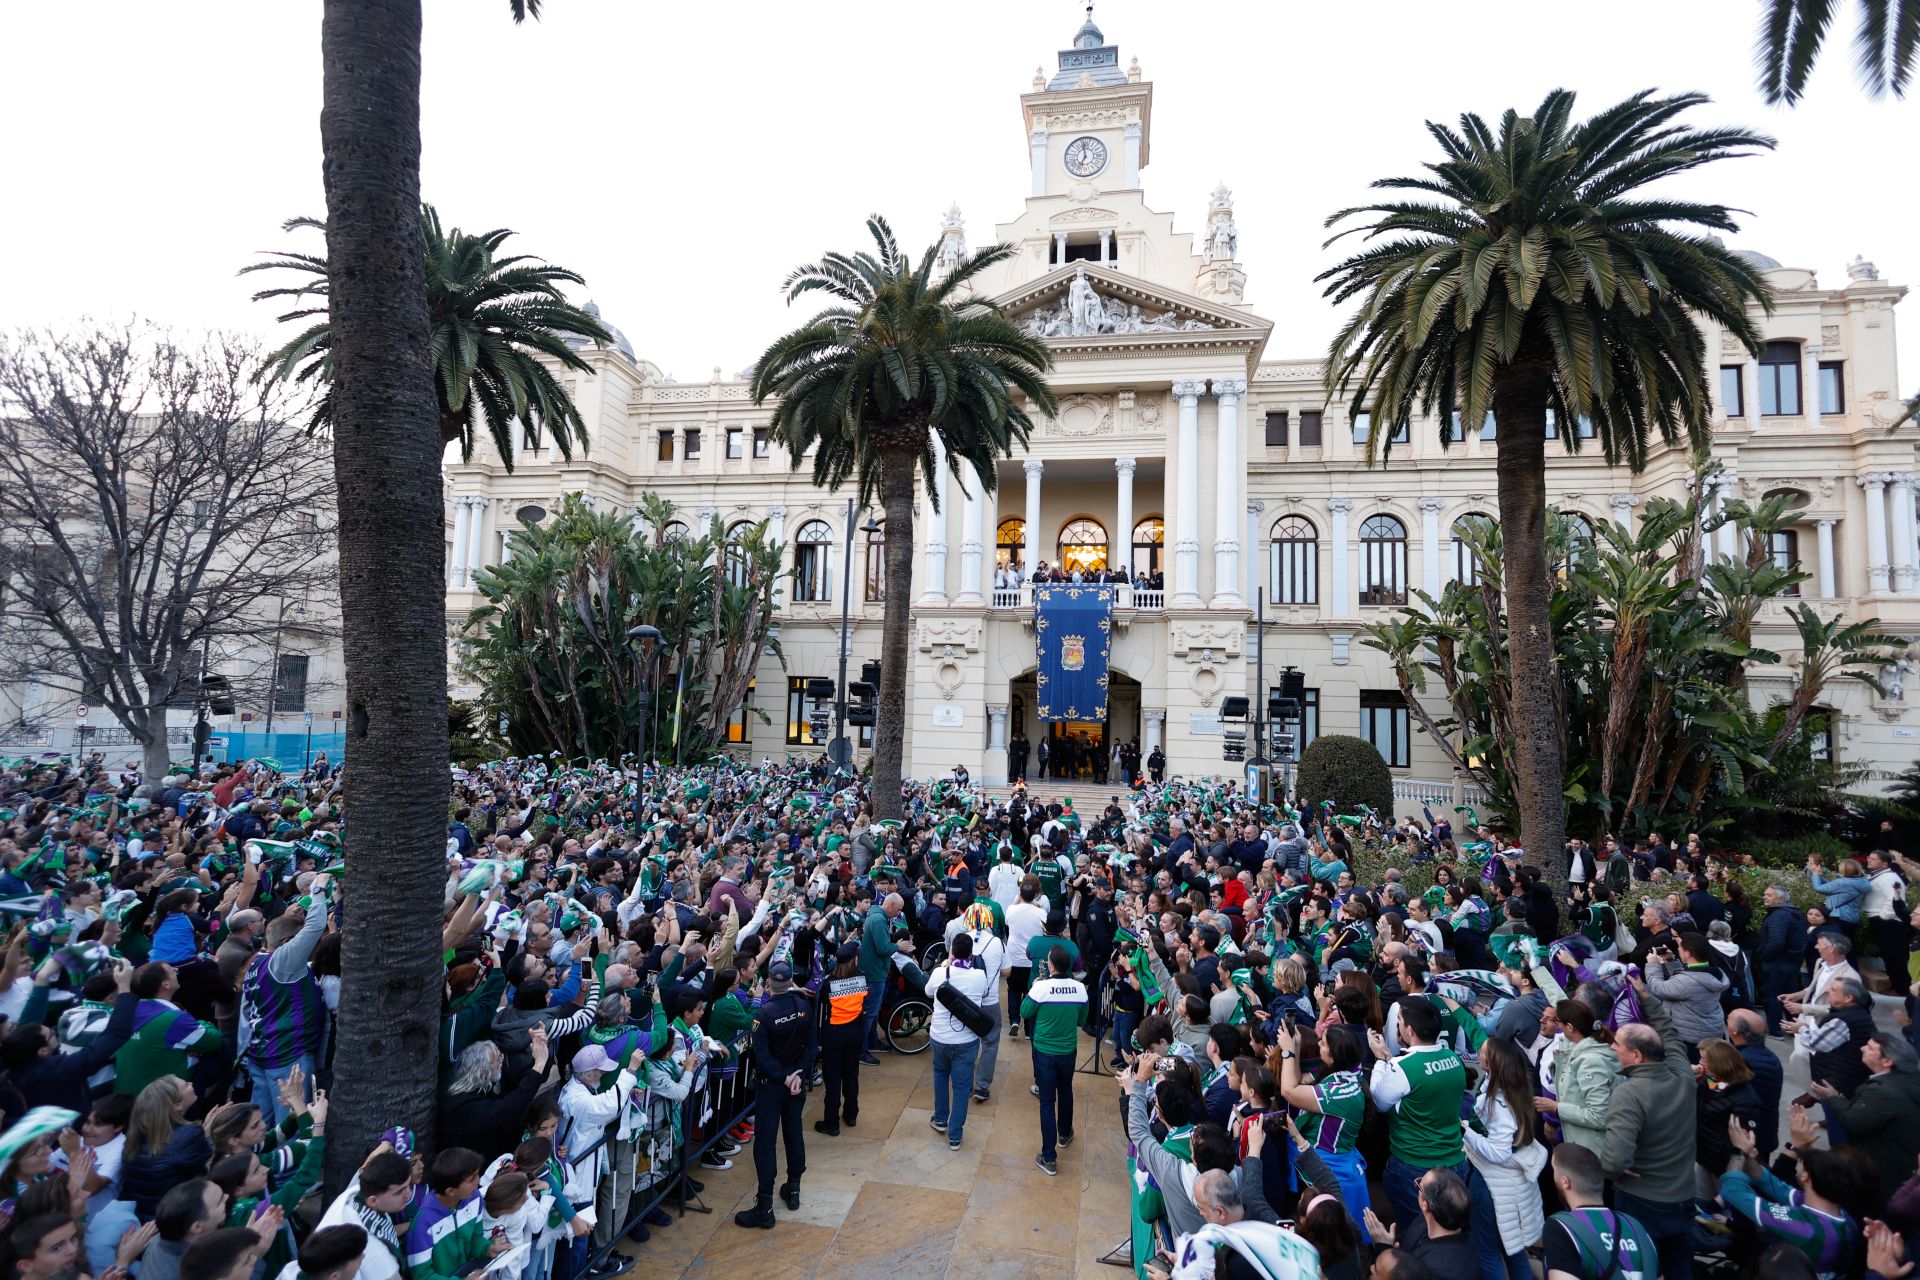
{"x": 1183, "y": 448}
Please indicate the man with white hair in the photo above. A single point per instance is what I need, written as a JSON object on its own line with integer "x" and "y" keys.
{"x": 1833, "y": 950}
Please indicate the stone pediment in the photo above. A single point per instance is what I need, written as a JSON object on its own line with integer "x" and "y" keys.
{"x": 1084, "y": 301}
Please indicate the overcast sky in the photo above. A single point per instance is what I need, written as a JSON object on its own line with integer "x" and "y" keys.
{"x": 684, "y": 157}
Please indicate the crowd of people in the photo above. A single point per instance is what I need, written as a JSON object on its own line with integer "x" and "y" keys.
{"x": 1013, "y": 575}
{"x": 1340, "y": 1047}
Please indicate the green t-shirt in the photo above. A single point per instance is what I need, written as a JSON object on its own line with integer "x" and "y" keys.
{"x": 1425, "y": 1128}
{"x": 1038, "y": 949}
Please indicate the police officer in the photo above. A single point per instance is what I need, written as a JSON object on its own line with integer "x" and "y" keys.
{"x": 786, "y": 1040}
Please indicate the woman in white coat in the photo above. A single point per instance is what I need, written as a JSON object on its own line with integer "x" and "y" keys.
{"x": 586, "y": 1111}
{"x": 1506, "y": 1159}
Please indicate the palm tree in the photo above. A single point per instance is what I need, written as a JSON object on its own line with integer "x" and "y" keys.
{"x": 904, "y": 359}
{"x": 1792, "y": 31}
{"x": 1536, "y": 277}
{"x": 492, "y": 319}
{"x": 386, "y": 447}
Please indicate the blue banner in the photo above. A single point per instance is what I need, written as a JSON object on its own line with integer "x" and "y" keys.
{"x": 1073, "y": 633}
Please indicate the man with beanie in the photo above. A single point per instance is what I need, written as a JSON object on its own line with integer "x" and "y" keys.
{"x": 786, "y": 1040}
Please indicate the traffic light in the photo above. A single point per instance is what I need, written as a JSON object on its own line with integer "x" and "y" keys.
{"x": 861, "y": 715}
{"x": 1293, "y": 686}
{"x": 820, "y": 689}
{"x": 219, "y": 695}
{"x": 1233, "y": 727}
{"x": 1234, "y": 707}
{"x": 870, "y": 674}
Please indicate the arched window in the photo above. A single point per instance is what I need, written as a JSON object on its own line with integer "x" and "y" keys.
{"x": 673, "y": 531}
{"x": 1295, "y": 575}
{"x": 813, "y": 562}
{"x": 1780, "y": 379}
{"x": 1010, "y": 544}
{"x": 1083, "y": 546}
{"x": 877, "y": 565}
{"x": 1149, "y": 541}
{"x": 1383, "y": 561}
{"x": 1466, "y": 561}
{"x": 736, "y": 559}
{"x": 1578, "y": 534}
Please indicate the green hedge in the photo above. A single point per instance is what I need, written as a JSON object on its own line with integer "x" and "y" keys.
{"x": 1791, "y": 851}
{"x": 1347, "y": 771}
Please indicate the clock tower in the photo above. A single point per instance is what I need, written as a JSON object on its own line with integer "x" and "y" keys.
{"x": 1087, "y": 125}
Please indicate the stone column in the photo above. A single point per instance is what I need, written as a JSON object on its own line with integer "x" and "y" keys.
{"x": 936, "y": 588}
{"x": 1106, "y": 246}
{"x": 1059, "y": 247}
{"x": 777, "y": 535}
{"x": 1186, "y": 514}
{"x": 1810, "y": 384}
{"x": 1875, "y": 484}
{"x": 1623, "y": 505}
{"x": 1726, "y": 539}
{"x": 1155, "y": 722}
{"x": 1229, "y": 472}
{"x": 1901, "y": 529}
{"x": 1341, "y": 601}
{"x": 1828, "y": 578}
{"x": 1130, "y": 157}
{"x": 1255, "y": 560}
{"x": 997, "y": 731}
{"x": 1751, "y": 394}
{"x": 1030, "y": 548}
{"x": 1038, "y": 141}
{"x": 475, "y": 525}
{"x": 1430, "y": 578}
{"x": 1123, "y": 510}
{"x": 462, "y": 524}
{"x": 971, "y": 515}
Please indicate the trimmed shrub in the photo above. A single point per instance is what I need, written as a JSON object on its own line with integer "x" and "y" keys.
{"x": 1347, "y": 771}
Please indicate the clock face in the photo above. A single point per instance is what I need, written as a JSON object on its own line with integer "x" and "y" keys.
{"x": 1085, "y": 157}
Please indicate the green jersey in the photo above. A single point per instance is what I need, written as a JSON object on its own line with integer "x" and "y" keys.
{"x": 1421, "y": 1090}
{"x": 1343, "y": 1105}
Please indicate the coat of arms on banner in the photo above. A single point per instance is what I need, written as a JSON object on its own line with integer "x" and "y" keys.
{"x": 1073, "y": 653}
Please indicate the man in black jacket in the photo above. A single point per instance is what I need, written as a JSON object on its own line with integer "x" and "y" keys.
{"x": 46, "y": 1077}
{"x": 1783, "y": 945}
{"x": 786, "y": 1040}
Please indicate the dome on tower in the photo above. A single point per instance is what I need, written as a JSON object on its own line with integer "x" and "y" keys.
{"x": 619, "y": 342}
{"x": 1090, "y": 63}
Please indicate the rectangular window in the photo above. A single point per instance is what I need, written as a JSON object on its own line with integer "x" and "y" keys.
{"x": 1780, "y": 380}
{"x": 1362, "y": 426}
{"x": 876, "y": 570}
{"x": 1455, "y": 432}
{"x": 736, "y": 444}
{"x": 1730, "y": 391}
{"x": 740, "y": 727}
{"x": 762, "y": 441}
{"x": 1833, "y": 397}
{"x": 665, "y": 453}
{"x": 1783, "y": 548}
{"x": 1385, "y": 723}
{"x": 1296, "y": 563}
{"x": 290, "y": 683}
{"x": 1487, "y": 431}
{"x": 1310, "y": 429}
{"x": 1277, "y": 430}
{"x": 799, "y": 710}
{"x": 692, "y": 448}
{"x": 1819, "y": 731}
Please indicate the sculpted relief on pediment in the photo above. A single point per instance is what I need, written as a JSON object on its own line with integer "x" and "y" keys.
{"x": 1083, "y": 312}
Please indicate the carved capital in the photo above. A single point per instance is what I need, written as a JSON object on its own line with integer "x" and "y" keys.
{"x": 1433, "y": 504}
{"x": 1132, "y": 131}
{"x": 1038, "y": 137}
{"x": 1124, "y": 467}
{"x": 1033, "y": 467}
{"x": 1340, "y": 506}
{"x": 1825, "y": 524}
{"x": 1623, "y": 501}
{"x": 1229, "y": 388}
{"x": 1190, "y": 390}
{"x": 1874, "y": 480}
{"x": 1255, "y": 506}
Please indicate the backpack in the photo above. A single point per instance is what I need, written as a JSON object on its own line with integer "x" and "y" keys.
{"x": 961, "y": 1006}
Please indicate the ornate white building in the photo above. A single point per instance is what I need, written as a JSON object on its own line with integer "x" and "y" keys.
{"x": 1183, "y": 447}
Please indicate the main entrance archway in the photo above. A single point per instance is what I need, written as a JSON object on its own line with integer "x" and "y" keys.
{"x": 1081, "y": 750}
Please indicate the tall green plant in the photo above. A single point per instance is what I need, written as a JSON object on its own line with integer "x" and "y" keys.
{"x": 1531, "y": 274}
{"x": 549, "y": 647}
{"x": 1651, "y": 658}
{"x": 905, "y": 367}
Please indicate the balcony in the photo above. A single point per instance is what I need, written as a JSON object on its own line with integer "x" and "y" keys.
{"x": 1129, "y": 598}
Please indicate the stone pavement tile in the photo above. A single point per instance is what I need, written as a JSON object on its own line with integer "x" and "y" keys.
{"x": 791, "y": 1251}
{"x": 1017, "y": 1206}
{"x": 824, "y": 1202}
{"x": 894, "y": 1232}
{"x": 997, "y": 1263}
{"x": 672, "y": 1248}
{"x": 852, "y": 1153}
{"x": 917, "y": 1155}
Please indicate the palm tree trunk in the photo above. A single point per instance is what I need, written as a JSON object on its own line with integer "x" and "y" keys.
{"x": 386, "y": 450}
{"x": 1520, "y": 407}
{"x": 890, "y": 714}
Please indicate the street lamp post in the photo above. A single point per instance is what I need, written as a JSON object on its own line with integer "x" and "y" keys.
{"x": 646, "y": 647}
{"x": 840, "y": 750}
